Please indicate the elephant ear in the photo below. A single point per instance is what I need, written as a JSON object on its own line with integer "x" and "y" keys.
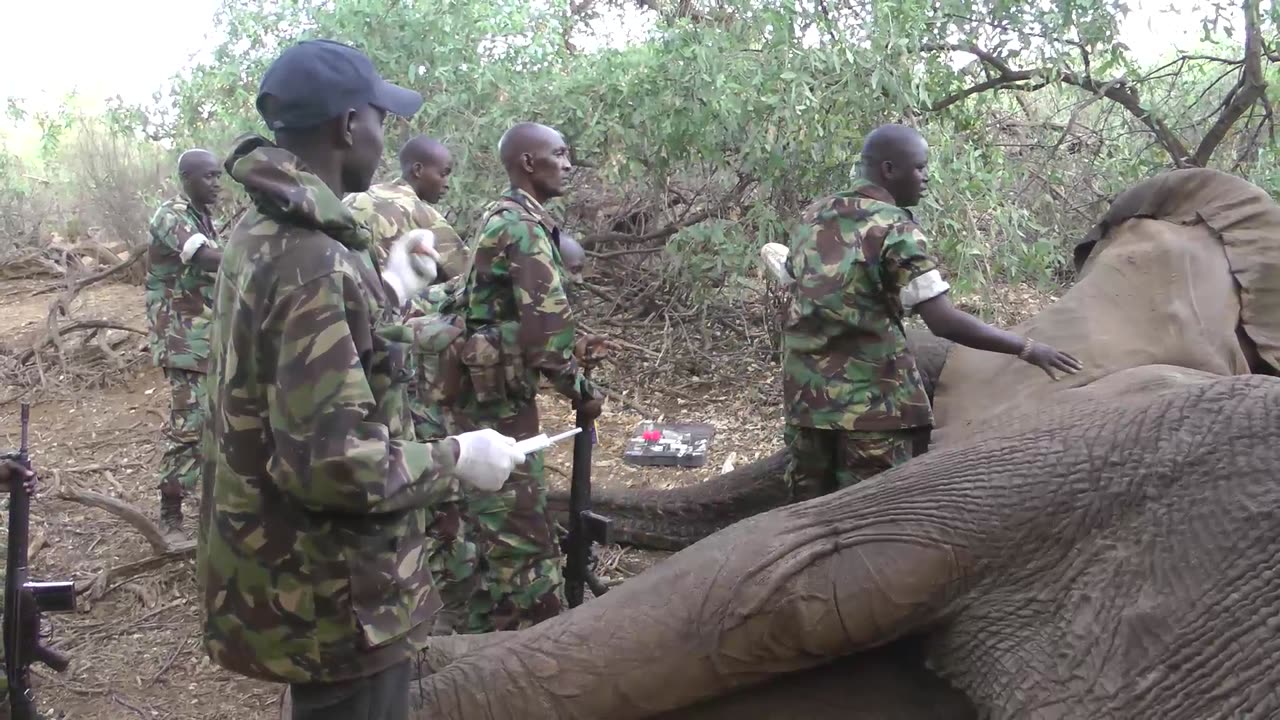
{"x": 1241, "y": 215}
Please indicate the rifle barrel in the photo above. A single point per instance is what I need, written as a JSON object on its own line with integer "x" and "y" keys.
{"x": 15, "y": 579}
{"x": 579, "y": 550}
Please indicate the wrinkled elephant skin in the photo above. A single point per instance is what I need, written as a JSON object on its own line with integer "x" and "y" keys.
{"x": 1106, "y": 557}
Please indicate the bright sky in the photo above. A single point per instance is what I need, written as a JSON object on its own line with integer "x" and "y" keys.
{"x": 131, "y": 47}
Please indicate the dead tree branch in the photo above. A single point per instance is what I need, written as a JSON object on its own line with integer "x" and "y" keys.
{"x": 54, "y": 336}
{"x": 163, "y": 550}
{"x": 1248, "y": 90}
{"x": 1117, "y": 90}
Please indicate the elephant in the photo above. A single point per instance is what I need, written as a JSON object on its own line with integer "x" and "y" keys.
{"x": 1104, "y": 546}
{"x": 1210, "y": 232}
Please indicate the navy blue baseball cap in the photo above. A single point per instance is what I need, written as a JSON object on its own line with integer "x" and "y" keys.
{"x": 318, "y": 80}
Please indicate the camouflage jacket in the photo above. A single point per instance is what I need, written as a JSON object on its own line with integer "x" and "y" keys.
{"x": 515, "y": 290}
{"x": 311, "y": 557}
{"x": 393, "y": 209}
{"x": 179, "y": 295}
{"x": 845, "y": 362}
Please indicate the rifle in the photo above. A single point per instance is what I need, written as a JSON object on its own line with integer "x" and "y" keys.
{"x": 585, "y": 527}
{"x": 25, "y": 600}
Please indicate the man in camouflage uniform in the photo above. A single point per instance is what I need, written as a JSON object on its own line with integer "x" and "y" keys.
{"x": 390, "y": 210}
{"x": 182, "y": 260}
{"x": 393, "y": 208}
{"x": 311, "y": 557}
{"x": 852, "y": 395}
{"x": 521, "y": 332}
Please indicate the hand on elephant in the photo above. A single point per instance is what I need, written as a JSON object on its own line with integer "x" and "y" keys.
{"x": 1050, "y": 359}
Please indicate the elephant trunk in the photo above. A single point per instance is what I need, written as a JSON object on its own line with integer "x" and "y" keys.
{"x": 674, "y": 519}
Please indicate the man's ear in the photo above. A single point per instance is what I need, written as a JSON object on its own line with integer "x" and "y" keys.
{"x": 887, "y": 169}
{"x": 526, "y": 162}
{"x": 415, "y": 170}
{"x": 346, "y": 128}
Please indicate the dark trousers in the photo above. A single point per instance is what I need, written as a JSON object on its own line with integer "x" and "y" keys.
{"x": 384, "y": 696}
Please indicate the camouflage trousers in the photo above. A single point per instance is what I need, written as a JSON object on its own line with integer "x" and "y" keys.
{"x": 521, "y": 583}
{"x": 188, "y": 408}
{"x": 451, "y": 551}
{"x": 454, "y": 563}
{"x": 821, "y": 461}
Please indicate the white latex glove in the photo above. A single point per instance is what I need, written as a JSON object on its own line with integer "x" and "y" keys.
{"x": 486, "y": 459}
{"x": 411, "y": 264}
{"x": 774, "y": 256}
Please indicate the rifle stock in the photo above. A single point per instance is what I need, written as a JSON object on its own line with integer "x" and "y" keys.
{"x": 24, "y": 600}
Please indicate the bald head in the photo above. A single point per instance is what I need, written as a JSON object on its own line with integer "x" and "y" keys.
{"x": 896, "y": 158}
{"x": 425, "y": 164}
{"x": 425, "y": 150}
{"x": 201, "y": 177}
{"x": 536, "y": 158}
{"x": 524, "y": 138}
{"x": 195, "y": 161}
{"x": 574, "y": 257}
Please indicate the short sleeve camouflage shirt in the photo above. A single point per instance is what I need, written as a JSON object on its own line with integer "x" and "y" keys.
{"x": 179, "y": 294}
{"x": 845, "y": 359}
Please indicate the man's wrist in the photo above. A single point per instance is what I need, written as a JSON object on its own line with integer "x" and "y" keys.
{"x": 1024, "y": 353}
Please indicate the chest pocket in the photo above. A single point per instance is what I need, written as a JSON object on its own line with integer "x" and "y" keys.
{"x": 495, "y": 364}
{"x": 390, "y": 370}
{"x": 438, "y": 347}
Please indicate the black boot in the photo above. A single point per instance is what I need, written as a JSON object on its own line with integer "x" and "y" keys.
{"x": 171, "y": 516}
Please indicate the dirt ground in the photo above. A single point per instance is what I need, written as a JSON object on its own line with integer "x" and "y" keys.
{"x": 136, "y": 649}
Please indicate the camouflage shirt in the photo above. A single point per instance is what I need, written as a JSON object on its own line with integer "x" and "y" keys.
{"x": 845, "y": 360}
{"x": 393, "y": 209}
{"x": 515, "y": 282}
{"x": 312, "y": 557}
{"x": 179, "y": 294}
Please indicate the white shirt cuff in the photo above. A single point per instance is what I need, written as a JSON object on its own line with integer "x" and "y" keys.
{"x": 924, "y": 287}
{"x": 189, "y": 248}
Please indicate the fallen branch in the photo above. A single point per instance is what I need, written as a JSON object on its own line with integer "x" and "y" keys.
{"x": 622, "y": 400}
{"x": 164, "y": 551}
{"x": 88, "y": 280}
{"x": 54, "y": 336}
{"x": 661, "y": 234}
{"x": 97, "y": 587}
{"x": 123, "y": 510}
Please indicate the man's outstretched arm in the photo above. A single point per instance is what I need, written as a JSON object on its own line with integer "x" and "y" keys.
{"x": 914, "y": 275}
{"x": 950, "y": 323}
